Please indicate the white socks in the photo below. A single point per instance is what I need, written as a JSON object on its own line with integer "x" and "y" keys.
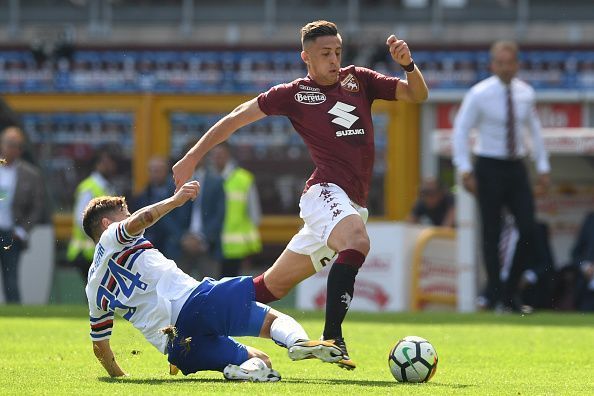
{"x": 285, "y": 331}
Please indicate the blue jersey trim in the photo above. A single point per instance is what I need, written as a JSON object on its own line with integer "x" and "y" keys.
{"x": 101, "y": 335}
{"x": 92, "y": 319}
{"x": 134, "y": 257}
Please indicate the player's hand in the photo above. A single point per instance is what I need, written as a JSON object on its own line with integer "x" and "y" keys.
{"x": 189, "y": 191}
{"x": 182, "y": 172}
{"x": 469, "y": 182}
{"x": 399, "y": 50}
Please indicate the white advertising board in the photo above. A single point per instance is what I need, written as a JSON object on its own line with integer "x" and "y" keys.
{"x": 383, "y": 281}
{"x": 36, "y": 267}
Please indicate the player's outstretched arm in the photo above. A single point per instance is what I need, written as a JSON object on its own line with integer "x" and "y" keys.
{"x": 149, "y": 215}
{"x": 242, "y": 115}
{"x": 414, "y": 89}
{"x": 105, "y": 355}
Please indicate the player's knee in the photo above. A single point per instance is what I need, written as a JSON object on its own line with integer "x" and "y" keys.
{"x": 359, "y": 241}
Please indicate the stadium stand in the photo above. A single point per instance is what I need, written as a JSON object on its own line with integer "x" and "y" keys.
{"x": 248, "y": 71}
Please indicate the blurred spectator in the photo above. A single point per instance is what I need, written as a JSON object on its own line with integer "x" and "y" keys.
{"x": 201, "y": 243}
{"x": 434, "y": 206}
{"x": 98, "y": 183}
{"x": 502, "y": 108}
{"x": 166, "y": 233}
{"x": 21, "y": 206}
{"x": 240, "y": 237}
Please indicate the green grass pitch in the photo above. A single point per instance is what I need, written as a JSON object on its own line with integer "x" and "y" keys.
{"x": 46, "y": 350}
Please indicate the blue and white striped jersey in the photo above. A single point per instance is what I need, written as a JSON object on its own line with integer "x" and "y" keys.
{"x": 129, "y": 276}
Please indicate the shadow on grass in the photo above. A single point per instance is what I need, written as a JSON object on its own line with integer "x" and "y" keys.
{"x": 375, "y": 383}
{"x": 159, "y": 381}
{"x": 370, "y": 383}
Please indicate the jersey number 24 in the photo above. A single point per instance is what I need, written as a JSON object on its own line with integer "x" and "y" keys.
{"x": 127, "y": 282}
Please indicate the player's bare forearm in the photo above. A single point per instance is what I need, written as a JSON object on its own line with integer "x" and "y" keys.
{"x": 104, "y": 354}
{"x": 149, "y": 215}
{"x": 242, "y": 115}
{"x": 417, "y": 87}
{"x": 414, "y": 89}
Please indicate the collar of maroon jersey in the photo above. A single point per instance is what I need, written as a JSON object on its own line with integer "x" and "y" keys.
{"x": 323, "y": 88}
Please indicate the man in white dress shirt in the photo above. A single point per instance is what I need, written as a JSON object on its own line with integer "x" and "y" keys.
{"x": 501, "y": 108}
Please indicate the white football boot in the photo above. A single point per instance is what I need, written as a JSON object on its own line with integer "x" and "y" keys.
{"x": 319, "y": 349}
{"x": 254, "y": 370}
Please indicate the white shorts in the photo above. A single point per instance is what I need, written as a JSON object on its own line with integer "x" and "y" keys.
{"x": 321, "y": 208}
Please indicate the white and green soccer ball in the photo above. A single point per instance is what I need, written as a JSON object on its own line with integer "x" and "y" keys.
{"x": 413, "y": 359}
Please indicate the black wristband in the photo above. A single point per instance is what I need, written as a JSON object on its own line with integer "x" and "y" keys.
{"x": 410, "y": 67}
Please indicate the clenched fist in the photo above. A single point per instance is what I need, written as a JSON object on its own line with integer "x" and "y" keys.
{"x": 399, "y": 50}
{"x": 188, "y": 191}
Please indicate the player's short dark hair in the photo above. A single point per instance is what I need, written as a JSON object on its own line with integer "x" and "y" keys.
{"x": 316, "y": 29}
{"x": 97, "y": 209}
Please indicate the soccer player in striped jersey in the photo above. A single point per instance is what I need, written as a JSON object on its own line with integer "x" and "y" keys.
{"x": 190, "y": 321}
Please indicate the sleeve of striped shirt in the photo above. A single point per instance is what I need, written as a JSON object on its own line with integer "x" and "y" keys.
{"x": 121, "y": 235}
{"x": 101, "y": 325}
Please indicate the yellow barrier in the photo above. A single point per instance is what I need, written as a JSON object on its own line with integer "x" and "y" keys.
{"x": 273, "y": 229}
{"x": 416, "y": 297}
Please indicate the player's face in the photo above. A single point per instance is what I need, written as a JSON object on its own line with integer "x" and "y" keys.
{"x": 322, "y": 57}
{"x": 504, "y": 65}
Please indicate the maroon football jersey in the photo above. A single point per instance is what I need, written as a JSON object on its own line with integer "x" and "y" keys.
{"x": 335, "y": 124}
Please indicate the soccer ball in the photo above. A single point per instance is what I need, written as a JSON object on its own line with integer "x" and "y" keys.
{"x": 413, "y": 359}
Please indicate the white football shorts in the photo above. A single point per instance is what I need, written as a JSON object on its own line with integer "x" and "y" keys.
{"x": 321, "y": 208}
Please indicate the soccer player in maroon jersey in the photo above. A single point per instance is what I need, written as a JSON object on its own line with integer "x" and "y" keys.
{"x": 331, "y": 109}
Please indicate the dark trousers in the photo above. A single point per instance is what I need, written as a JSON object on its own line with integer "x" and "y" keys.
{"x": 505, "y": 184}
{"x": 10, "y": 253}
